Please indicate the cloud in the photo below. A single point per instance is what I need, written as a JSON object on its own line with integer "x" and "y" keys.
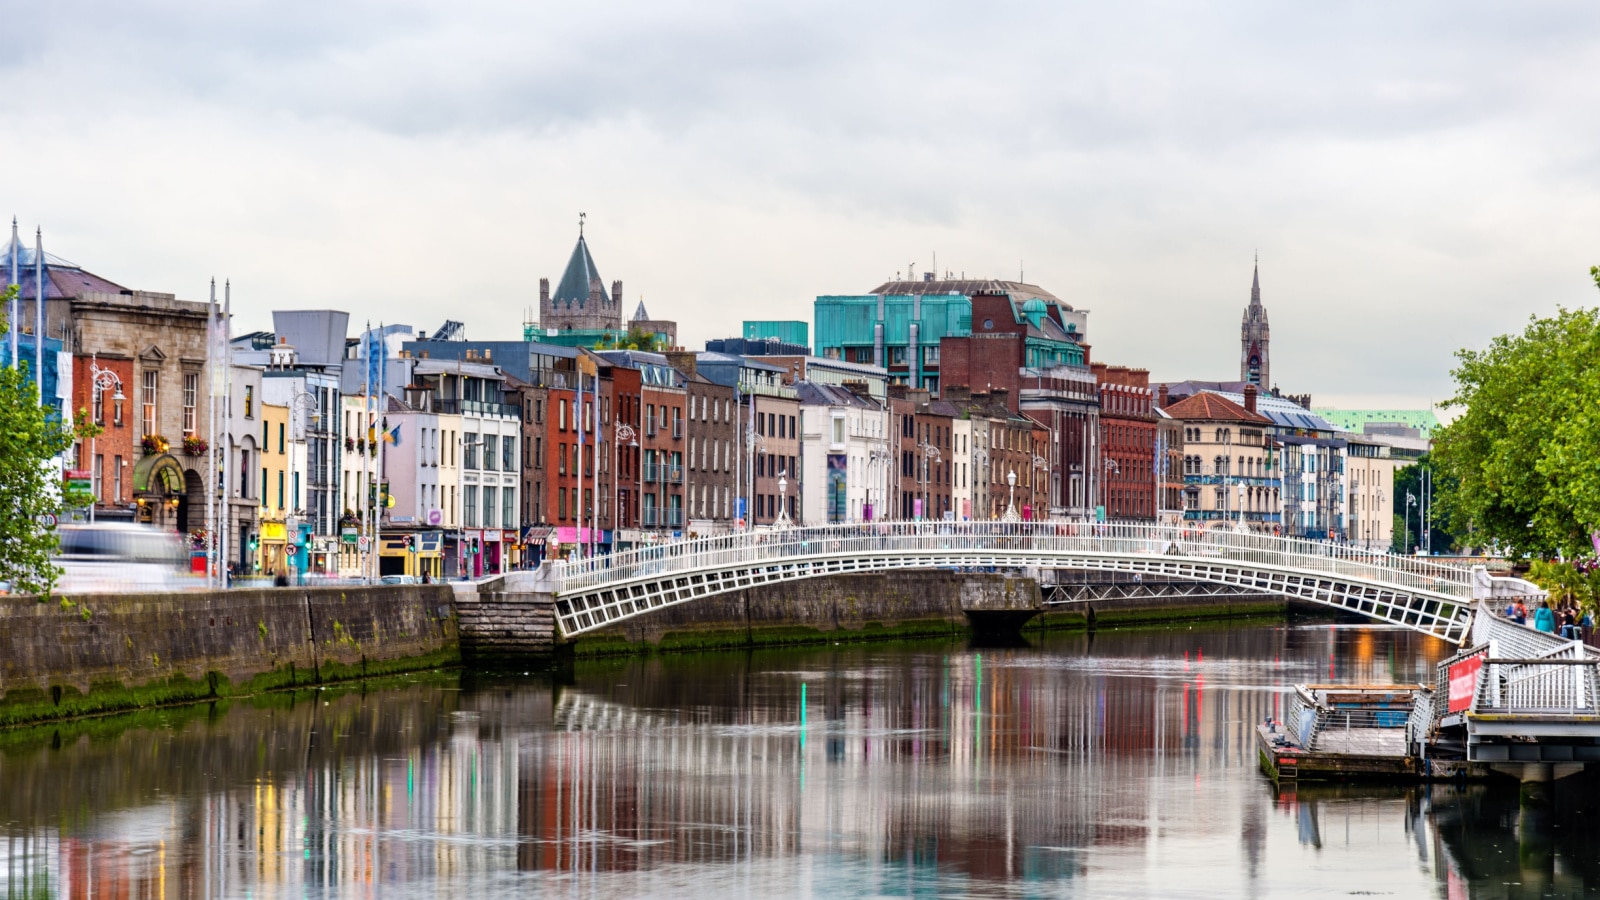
{"x": 1415, "y": 178}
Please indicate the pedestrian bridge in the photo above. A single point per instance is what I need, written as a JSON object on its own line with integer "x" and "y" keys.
{"x": 1419, "y": 593}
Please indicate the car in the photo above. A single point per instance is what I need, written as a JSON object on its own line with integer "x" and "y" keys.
{"x": 399, "y": 579}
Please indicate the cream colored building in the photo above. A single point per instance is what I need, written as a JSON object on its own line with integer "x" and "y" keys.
{"x": 1369, "y": 468}
{"x": 1229, "y": 474}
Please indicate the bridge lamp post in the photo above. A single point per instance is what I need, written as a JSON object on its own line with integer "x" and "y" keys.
{"x": 100, "y": 381}
{"x": 1011, "y": 505}
{"x": 624, "y": 432}
{"x": 783, "y": 500}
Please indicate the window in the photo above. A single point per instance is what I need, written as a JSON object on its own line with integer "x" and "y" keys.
{"x": 469, "y": 505}
{"x": 489, "y": 507}
{"x": 561, "y": 412}
{"x": 147, "y": 401}
{"x": 249, "y": 401}
{"x": 508, "y": 453}
{"x": 280, "y": 441}
{"x": 469, "y": 442}
{"x": 280, "y": 490}
{"x": 561, "y": 503}
{"x": 508, "y": 511}
{"x": 491, "y": 453}
{"x": 191, "y": 393}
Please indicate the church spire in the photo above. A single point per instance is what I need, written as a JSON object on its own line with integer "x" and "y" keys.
{"x": 1255, "y": 284}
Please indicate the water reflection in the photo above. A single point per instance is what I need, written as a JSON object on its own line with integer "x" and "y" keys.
{"x": 1120, "y": 763}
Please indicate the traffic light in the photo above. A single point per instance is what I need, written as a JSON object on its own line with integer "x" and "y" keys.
{"x": 414, "y": 543}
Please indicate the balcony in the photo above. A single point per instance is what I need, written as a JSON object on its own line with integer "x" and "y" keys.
{"x": 652, "y": 472}
{"x": 672, "y": 474}
{"x": 457, "y": 407}
{"x": 673, "y": 518}
{"x": 677, "y": 428}
{"x": 662, "y": 518}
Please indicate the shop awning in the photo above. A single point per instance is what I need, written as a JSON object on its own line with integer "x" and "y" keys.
{"x": 158, "y": 473}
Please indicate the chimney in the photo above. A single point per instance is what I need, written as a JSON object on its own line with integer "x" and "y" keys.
{"x": 957, "y": 393}
{"x": 1163, "y": 396}
{"x": 616, "y": 293}
{"x": 544, "y": 294}
{"x": 684, "y": 361}
{"x": 1249, "y": 397}
{"x": 859, "y": 388}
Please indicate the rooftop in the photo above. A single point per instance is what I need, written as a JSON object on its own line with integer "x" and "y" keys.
{"x": 1208, "y": 407}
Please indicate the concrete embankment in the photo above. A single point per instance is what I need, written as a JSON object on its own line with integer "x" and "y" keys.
{"x": 884, "y": 607}
{"x": 95, "y": 654}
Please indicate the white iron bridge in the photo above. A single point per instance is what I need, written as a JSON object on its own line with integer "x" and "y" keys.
{"x": 1426, "y": 595}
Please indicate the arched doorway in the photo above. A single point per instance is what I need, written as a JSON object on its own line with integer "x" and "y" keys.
{"x": 160, "y": 487}
{"x": 191, "y": 506}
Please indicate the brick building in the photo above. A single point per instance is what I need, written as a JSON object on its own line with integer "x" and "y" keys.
{"x": 1127, "y": 443}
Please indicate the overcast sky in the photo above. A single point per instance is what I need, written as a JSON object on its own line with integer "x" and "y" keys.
{"x": 1416, "y": 177}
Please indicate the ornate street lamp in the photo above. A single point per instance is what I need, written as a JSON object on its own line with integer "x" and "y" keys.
{"x": 783, "y": 502}
{"x": 1011, "y": 505}
{"x": 626, "y": 433}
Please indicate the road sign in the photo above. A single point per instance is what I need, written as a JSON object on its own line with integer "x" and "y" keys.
{"x": 362, "y": 544}
{"x": 48, "y": 520}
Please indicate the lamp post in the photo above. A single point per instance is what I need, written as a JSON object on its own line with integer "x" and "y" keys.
{"x": 1107, "y": 462}
{"x": 754, "y": 443}
{"x": 980, "y": 457}
{"x": 1011, "y": 505}
{"x": 930, "y": 455}
{"x": 1040, "y": 464}
{"x": 1240, "y": 526}
{"x": 624, "y": 432}
{"x": 100, "y": 381}
{"x": 1411, "y": 500}
{"x": 783, "y": 502}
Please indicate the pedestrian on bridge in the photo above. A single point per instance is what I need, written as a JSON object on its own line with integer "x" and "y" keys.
{"x": 1544, "y": 619}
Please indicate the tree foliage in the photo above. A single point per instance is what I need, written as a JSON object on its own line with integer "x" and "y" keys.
{"x": 1408, "y": 519}
{"x": 30, "y": 488}
{"x": 1525, "y": 449}
{"x": 636, "y": 338}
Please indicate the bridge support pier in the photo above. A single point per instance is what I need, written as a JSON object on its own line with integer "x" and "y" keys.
{"x": 1003, "y": 612}
{"x": 507, "y": 621}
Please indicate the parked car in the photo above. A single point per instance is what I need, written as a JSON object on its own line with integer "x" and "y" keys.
{"x": 399, "y": 579}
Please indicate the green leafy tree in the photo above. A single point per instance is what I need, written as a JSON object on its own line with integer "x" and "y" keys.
{"x": 636, "y": 338}
{"x": 30, "y": 491}
{"x": 1525, "y": 449}
{"x": 1408, "y": 519}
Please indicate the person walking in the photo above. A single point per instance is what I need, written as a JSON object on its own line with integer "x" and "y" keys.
{"x": 1544, "y": 619}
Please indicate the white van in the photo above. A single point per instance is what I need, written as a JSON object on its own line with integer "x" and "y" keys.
{"x": 108, "y": 557}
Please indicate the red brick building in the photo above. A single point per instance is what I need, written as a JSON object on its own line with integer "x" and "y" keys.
{"x": 1127, "y": 482}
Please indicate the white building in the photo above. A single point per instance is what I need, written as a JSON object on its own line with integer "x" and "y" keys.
{"x": 844, "y": 453}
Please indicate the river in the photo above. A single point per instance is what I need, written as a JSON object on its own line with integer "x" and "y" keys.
{"x": 1115, "y": 764}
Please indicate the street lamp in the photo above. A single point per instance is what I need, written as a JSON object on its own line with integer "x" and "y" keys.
{"x": 930, "y": 455}
{"x": 100, "y": 381}
{"x": 1411, "y": 500}
{"x": 624, "y": 432}
{"x": 783, "y": 503}
{"x": 1040, "y": 464}
{"x": 1240, "y": 526}
{"x": 1011, "y": 505}
{"x": 1106, "y": 463}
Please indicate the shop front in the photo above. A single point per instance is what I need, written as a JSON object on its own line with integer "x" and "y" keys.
{"x": 274, "y": 539}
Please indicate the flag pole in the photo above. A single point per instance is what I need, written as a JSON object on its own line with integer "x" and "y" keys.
{"x": 38, "y": 312}
{"x": 226, "y": 534}
{"x": 211, "y": 429}
{"x": 15, "y": 323}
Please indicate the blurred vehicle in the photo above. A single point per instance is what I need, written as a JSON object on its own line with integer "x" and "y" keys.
{"x": 107, "y": 557}
{"x": 399, "y": 579}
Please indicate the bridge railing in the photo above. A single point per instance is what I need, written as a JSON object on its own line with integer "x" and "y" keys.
{"x": 1021, "y": 540}
{"x": 1547, "y": 686}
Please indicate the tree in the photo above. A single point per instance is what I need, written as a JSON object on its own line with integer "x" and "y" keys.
{"x": 1408, "y": 519}
{"x": 1523, "y": 449}
{"x": 30, "y": 491}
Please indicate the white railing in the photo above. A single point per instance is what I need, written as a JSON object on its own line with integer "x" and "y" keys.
{"x": 1031, "y": 540}
{"x": 1549, "y": 686}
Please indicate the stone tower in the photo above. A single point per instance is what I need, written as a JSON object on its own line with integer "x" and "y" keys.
{"x": 580, "y": 300}
{"x": 1254, "y": 337}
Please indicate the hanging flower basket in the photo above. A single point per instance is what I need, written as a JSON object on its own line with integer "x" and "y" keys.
{"x": 153, "y": 444}
{"x": 350, "y": 444}
{"x": 194, "y": 445}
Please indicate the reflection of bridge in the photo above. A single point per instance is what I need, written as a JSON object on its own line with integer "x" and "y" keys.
{"x": 1421, "y": 594}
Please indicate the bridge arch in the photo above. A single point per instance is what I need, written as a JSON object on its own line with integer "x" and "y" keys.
{"x": 1420, "y": 594}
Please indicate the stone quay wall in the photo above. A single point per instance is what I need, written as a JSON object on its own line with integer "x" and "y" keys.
{"x": 92, "y": 654}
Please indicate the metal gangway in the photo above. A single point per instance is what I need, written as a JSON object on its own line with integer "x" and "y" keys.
{"x": 1419, "y": 593}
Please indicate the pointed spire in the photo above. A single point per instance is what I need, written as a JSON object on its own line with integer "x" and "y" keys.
{"x": 1255, "y": 283}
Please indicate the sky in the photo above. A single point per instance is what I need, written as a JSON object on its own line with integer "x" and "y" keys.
{"x": 1415, "y": 178}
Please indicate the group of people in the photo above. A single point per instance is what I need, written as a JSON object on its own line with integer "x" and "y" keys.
{"x": 1567, "y": 620}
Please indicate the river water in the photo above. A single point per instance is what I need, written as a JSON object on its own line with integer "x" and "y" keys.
{"x": 1117, "y": 764}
